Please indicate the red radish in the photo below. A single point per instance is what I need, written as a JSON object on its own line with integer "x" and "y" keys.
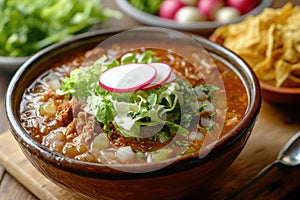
{"x": 243, "y": 6}
{"x": 127, "y": 78}
{"x": 171, "y": 78}
{"x": 168, "y": 8}
{"x": 188, "y": 14}
{"x": 210, "y": 7}
{"x": 227, "y": 14}
{"x": 163, "y": 73}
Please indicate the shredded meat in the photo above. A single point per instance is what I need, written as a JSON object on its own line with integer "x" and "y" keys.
{"x": 64, "y": 113}
{"x": 87, "y": 126}
{"x": 77, "y": 122}
{"x": 67, "y": 111}
{"x": 71, "y": 132}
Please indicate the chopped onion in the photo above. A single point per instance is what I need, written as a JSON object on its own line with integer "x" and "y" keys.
{"x": 125, "y": 154}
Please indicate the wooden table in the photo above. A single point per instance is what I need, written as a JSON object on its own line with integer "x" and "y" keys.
{"x": 11, "y": 189}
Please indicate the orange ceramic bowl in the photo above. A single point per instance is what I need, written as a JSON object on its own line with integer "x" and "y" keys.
{"x": 284, "y": 95}
{"x": 189, "y": 177}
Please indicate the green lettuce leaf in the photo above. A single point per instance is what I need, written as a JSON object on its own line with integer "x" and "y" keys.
{"x": 28, "y": 26}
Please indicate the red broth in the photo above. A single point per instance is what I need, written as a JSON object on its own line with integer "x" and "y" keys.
{"x": 60, "y": 122}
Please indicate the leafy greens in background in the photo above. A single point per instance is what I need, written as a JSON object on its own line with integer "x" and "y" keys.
{"x": 149, "y": 6}
{"x": 27, "y": 26}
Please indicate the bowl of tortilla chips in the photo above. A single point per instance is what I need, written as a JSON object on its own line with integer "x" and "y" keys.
{"x": 270, "y": 44}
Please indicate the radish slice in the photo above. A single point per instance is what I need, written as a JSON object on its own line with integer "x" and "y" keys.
{"x": 171, "y": 78}
{"x": 163, "y": 74}
{"x": 127, "y": 78}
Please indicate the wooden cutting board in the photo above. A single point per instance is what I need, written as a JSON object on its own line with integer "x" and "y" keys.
{"x": 275, "y": 126}
{"x": 13, "y": 160}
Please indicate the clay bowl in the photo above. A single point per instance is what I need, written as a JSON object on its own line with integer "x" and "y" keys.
{"x": 98, "y": 181}
{"x": 204, "y": 27}
{"x": 282, "y": 95}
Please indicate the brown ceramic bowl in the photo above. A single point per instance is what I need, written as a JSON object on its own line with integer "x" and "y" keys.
{"x": 178, "y": 180}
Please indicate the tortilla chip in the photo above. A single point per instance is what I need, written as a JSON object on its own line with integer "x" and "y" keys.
{"x": 268, "y": 42}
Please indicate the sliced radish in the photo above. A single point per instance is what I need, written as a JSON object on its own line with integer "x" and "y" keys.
{"x": 127, "y": 78}
{"x": 163, "y": 74}
{"x": 171, "y": 78}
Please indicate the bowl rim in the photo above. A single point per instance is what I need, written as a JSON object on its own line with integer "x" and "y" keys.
{"x": 154, "y": 20}
{"x": 76, "y": 166}
{"x": 280, "y": 90}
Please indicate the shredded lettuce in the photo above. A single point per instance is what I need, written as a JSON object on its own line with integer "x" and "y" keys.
{"x": 169, "y": 108}
{"x": 28, "y": 26}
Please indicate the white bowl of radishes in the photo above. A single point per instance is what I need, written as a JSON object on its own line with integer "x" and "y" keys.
{"x": 200, "y": 16}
